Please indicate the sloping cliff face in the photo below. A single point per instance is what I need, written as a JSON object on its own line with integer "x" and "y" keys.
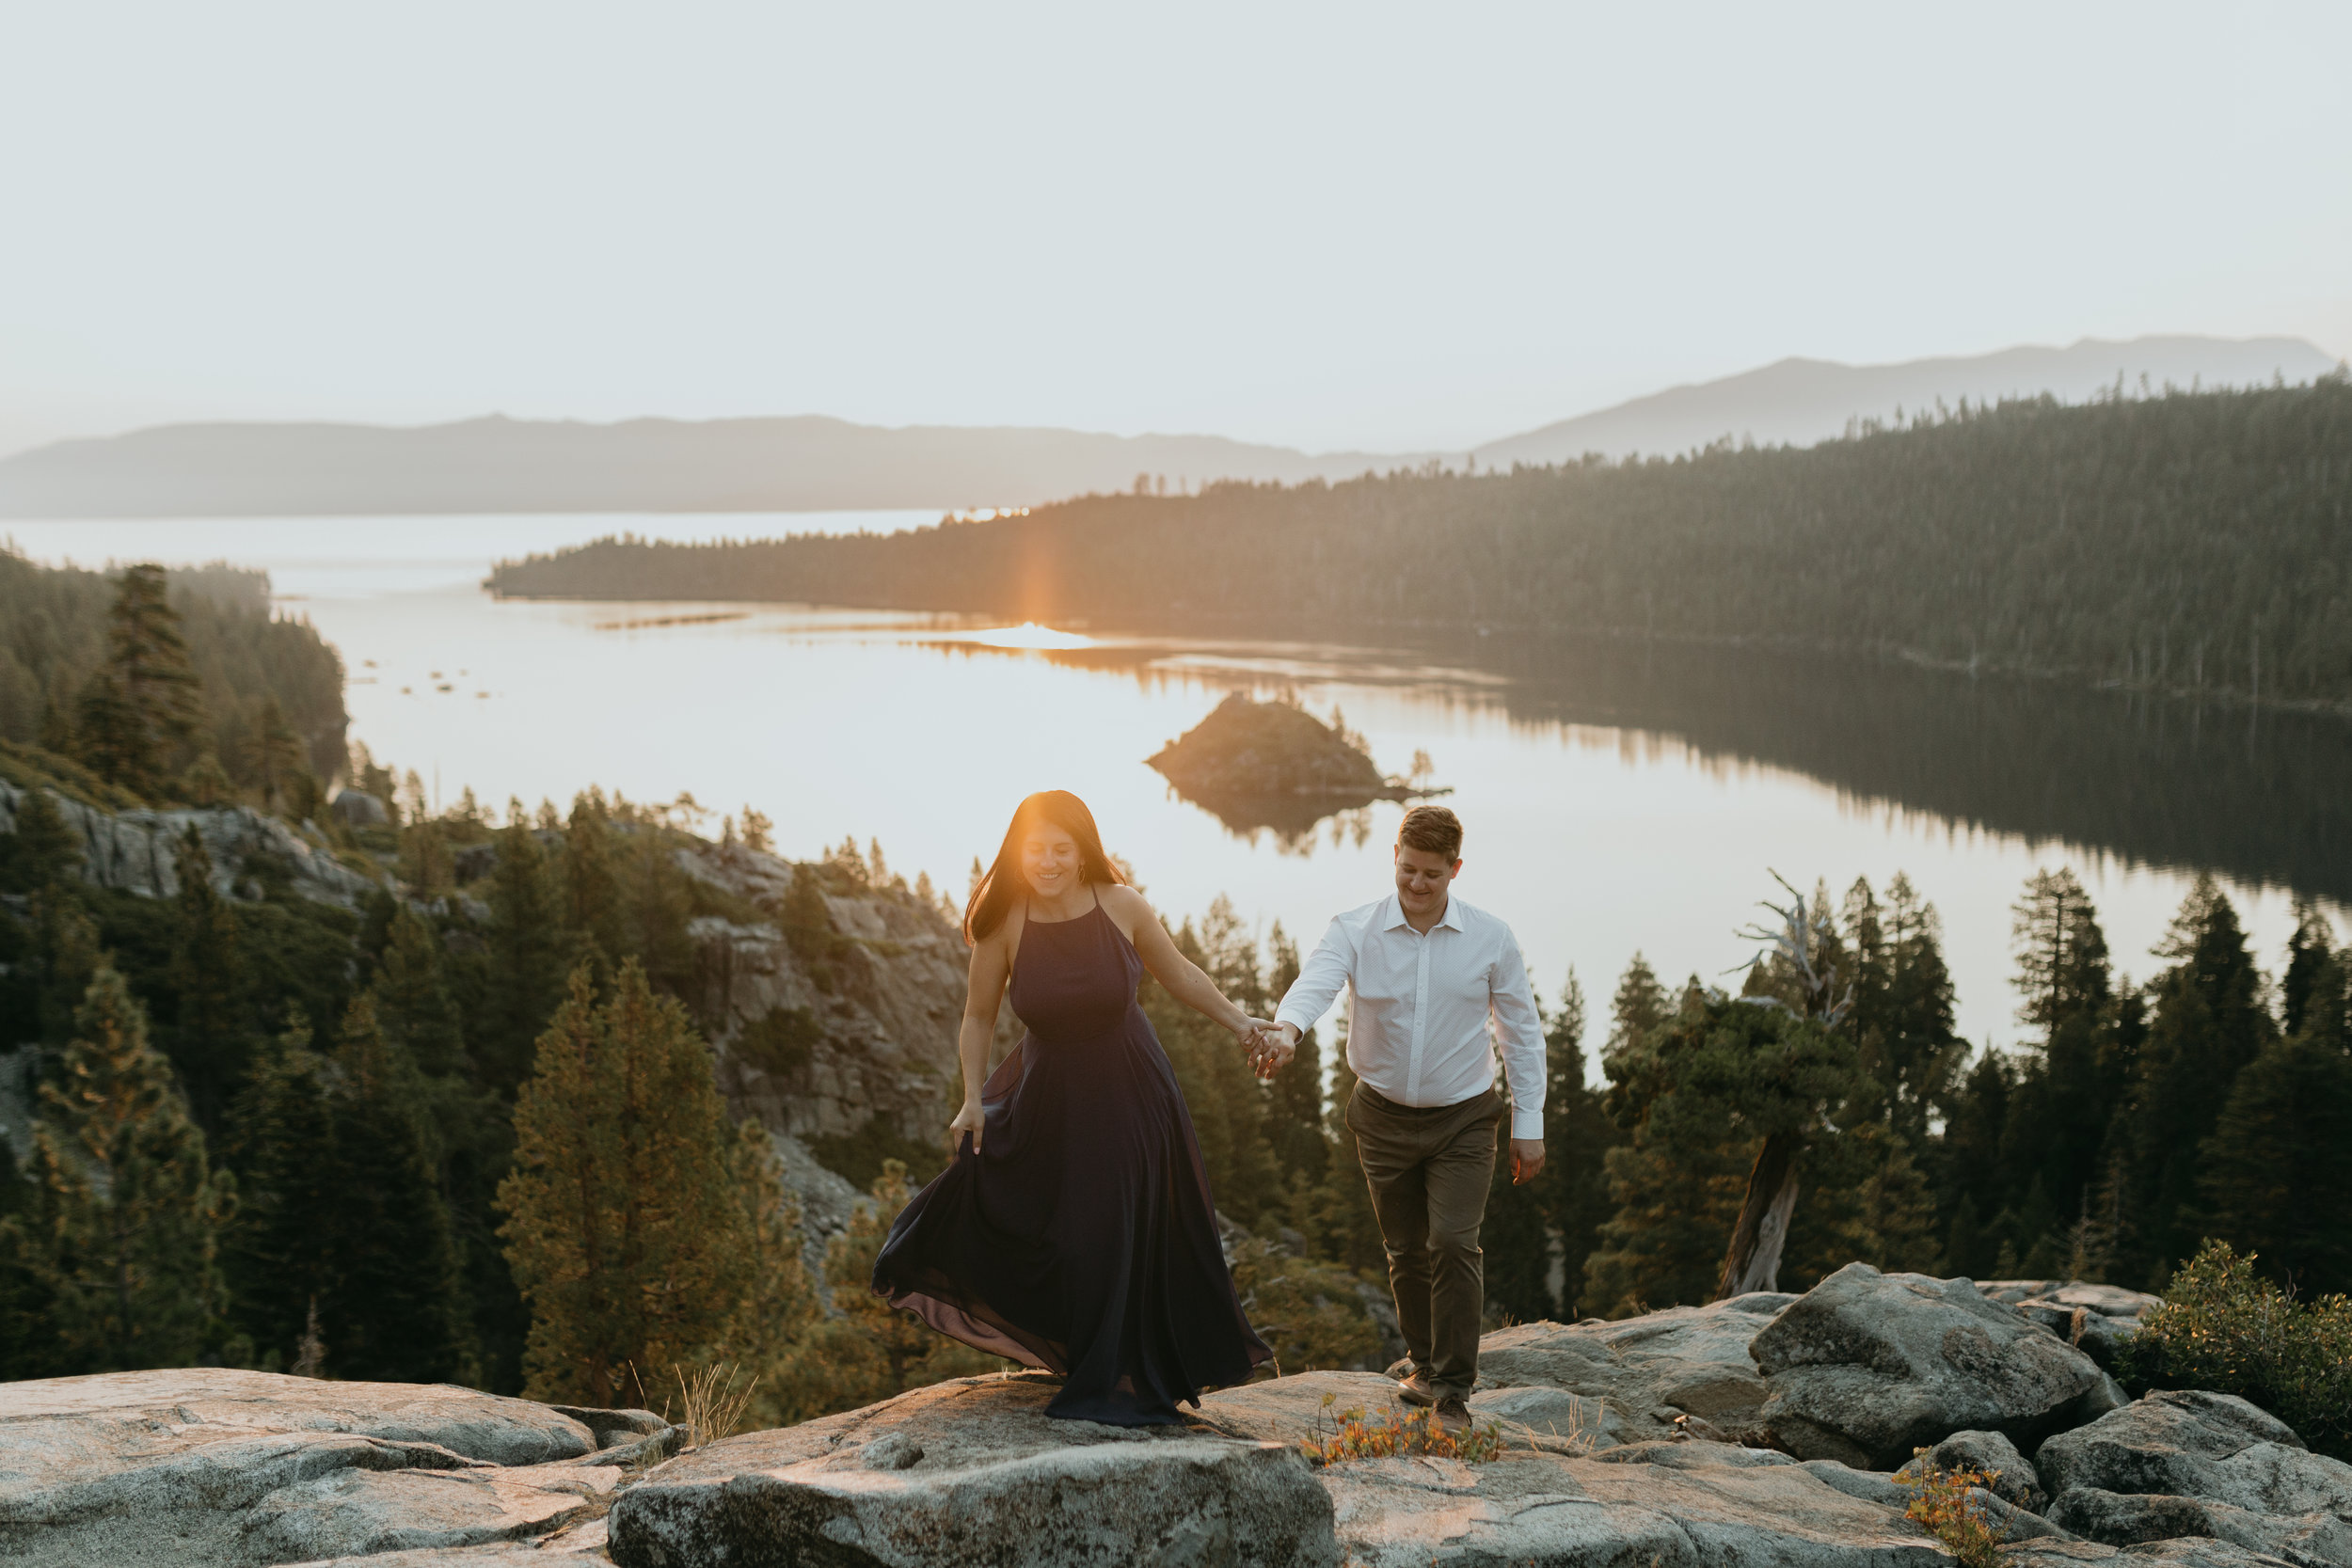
{"x": 839, "y": 1036}
{"x": 137, "y": 851}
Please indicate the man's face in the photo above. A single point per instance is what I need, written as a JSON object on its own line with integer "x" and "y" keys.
{"x": 1421, "y": 879}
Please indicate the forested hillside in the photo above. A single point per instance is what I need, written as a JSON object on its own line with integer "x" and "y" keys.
{"x": 190, "y": 675}
{"x": 2194, "y": 543}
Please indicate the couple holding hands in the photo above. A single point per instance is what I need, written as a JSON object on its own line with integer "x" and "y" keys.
{"x": 1074, "y": 1232}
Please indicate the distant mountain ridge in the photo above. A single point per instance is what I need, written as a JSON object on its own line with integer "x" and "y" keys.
{"x": 804, "y": 463}
{"x": 811, "y": 463}
{"x": 1799, "y": 402}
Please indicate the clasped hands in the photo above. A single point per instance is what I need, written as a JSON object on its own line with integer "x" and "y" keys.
{"x": 1271, "y": 1046}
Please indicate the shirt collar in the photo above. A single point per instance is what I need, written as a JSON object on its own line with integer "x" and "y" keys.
{"x": 1393, "y": 914}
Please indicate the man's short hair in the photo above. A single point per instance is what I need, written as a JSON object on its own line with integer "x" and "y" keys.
{"x": 1433, "y": 829}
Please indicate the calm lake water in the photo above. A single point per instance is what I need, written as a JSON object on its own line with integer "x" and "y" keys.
{"x": 1617, "y": 797}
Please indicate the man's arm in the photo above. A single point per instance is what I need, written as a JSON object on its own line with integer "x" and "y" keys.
{"x": 1520, "y": 1031}
{"x": 1311, "y": 995}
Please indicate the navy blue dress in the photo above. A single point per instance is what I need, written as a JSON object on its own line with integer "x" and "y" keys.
{"x": 1081, "y": 1239}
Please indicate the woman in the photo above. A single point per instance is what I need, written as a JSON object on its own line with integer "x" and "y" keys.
{"x": 1074, "y": 1231}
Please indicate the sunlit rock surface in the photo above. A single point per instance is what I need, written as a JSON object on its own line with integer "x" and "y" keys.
{"x": 212, "y": 1465}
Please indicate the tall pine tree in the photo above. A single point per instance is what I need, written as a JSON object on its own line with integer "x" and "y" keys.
{"x": 118, "y": 1239}
{"x": 624, "y": 1226}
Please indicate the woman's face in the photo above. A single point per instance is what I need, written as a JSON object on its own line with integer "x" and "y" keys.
{"x": 1050, "y": 861}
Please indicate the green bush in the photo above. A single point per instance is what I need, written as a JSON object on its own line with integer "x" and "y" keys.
{"x": 2222, "y": 1327}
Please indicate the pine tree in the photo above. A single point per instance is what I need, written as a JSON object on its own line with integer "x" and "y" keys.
{"x": 412, "y": 997}
{"x": 1579, "y": 1134}
{"x": 524, "y": 956}
{"x": 397, "y": 1310}
{"x": 210, "y": 1041}
{"x": 150, "y": 658}
{"x": 656, "y": 911}
{"x": 1902, "y": 1015}
{"x": 2308, "y": 951}
{"x": 2070, "y": 1094}
{"x": 1640, "y": 1004}
{"x": 279, "y": 1255}
{"x": 1225, "y": 1099}
{"x": 1294, "y": 1115}
{"x": 2276, "y": 1174}
{"x": 1965, "y": 1250}
{"x": 122, "y": 1232}
{"x": 111, "y": 739}
{"x": 591, "y": 893}
{"x": 2208, "y": 1024}
{"x": 1698, "y": 1097}
{"x": 624, "y": 1227}
{"x": 771, "y": 1325}
{"x": 275, "y": 758}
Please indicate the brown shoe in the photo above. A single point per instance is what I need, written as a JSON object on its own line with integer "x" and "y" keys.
{"x": 1453, "y": 1414}
{"x": 1417, "y": 1390}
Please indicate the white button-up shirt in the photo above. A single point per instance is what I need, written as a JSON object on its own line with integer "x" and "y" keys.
{"x": 1427, "y": 1014}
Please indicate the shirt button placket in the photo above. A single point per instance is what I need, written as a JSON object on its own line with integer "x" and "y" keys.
{"x": 1421, "y": 1021}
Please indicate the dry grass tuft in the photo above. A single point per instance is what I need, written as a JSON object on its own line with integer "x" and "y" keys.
{"x": 711, "y": 1401}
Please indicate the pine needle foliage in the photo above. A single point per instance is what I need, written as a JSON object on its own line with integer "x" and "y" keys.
{"x": 625, "y": 1229}
{"x": 117, "y": 1245}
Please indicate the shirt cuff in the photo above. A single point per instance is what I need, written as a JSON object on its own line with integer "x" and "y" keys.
{"x": 1527, "y": 1124}
{"x": 1302, "y": 1024}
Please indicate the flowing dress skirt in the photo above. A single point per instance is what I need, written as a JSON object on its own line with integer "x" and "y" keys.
{"x": 1081, "y": 1238}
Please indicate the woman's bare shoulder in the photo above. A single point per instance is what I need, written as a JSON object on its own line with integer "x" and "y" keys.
{"x": 1124, "y": 903}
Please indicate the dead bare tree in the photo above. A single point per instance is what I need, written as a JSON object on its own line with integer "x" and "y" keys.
{"x": 1803, "y": 940}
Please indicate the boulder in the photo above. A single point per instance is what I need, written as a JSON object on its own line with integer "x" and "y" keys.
{"x": 2122, "y": 1519}
{"x": 2154, "y": 1554}
{"x": 974, "y": 1471}
{"x": 2189, "y": 1464}
{"x": 1644, "y": 1505}
{"x": 360, "y": 808}
{"x": 1866, "y": 1367}
{"x": 212, "y": 1465}
{"x": 1990, "y": 1455}
{"x": 1645, "y": 1370}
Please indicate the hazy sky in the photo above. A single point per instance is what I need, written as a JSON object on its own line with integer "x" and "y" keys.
{"x": 1343, "y": 225}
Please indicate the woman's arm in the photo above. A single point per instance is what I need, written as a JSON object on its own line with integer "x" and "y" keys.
{"x": 1180, "y": 974}
{"x": 984, "y": 992}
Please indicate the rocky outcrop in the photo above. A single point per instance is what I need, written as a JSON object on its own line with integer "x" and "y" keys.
{"x": 137, "y": 851}
{"x": 1992, "y": 1455}
{"x": 2190, "y": 1463}
{"x": 974, "y": 1471}
{"x": 1645, "y": 1372}
{"x": 207, "y": 1468}
{"x": 1274, "y": 765}
{"x": 2098, "y": 1320}
{"x": 1866, "y": 1366}
{"x": 850, "y": 1032}
{"x": 218, "y": 1466}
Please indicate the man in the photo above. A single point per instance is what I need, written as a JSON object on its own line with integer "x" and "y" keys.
{"x": 1434, "y": 984}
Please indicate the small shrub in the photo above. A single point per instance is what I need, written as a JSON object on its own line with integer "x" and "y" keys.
{"x": 2223, "y": 1328}
{"x": 1358, "y": 1436}
{"x": 1309, "y": 1313}
{"x": 1945, "y": 1502}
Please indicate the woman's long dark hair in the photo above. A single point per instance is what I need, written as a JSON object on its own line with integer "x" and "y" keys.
{"x": 1004, "y": 884}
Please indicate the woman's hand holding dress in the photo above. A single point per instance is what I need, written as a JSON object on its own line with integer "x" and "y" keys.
{"x": 970, "y": 1119}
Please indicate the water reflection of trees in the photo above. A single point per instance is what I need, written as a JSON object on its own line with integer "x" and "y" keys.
{"x": 1293, "y": 824}
{"x": 2263, "y": 798}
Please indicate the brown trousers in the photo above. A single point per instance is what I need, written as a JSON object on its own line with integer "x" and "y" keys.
{"x": 1428, "y": 1168}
